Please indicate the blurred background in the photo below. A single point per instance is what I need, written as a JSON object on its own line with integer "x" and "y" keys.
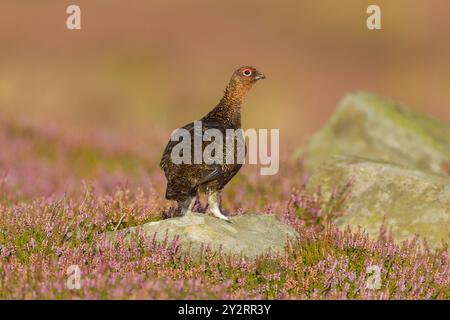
{"x": 155, "y": 65}
{"x": 139, "y": 69}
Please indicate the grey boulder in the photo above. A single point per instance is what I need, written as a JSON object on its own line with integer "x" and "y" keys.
{"x": 248, "y": 234}
{"x": 371, "y": 126}
{"x": 414, "y": 202}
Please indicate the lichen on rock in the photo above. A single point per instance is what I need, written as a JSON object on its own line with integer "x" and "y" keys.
{"x": 410, "y": 202}
{"x": 374, "y": 127}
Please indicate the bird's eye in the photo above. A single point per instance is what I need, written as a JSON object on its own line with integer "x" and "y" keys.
{"x": 247, "y": 72}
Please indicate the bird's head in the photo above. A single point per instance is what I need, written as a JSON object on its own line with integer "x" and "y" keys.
{"x": 240, "y": 84}
{"x": 247, "y": 75}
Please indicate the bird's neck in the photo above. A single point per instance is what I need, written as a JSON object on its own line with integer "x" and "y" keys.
{"x": 228, "y": 110}
{"x": 234, "y": 94}
{"x": 229, "y": 115}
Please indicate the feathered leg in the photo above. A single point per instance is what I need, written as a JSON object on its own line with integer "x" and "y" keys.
{"x": 186, "y": 205}
{"x": 214, "y": 206}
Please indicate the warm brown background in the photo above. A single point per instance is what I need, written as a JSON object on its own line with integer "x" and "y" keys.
{"x": 150, "y": 66}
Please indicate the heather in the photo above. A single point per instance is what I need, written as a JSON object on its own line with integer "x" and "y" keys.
{"x": 85, "y": 115}
{"x": 62, "y": 189}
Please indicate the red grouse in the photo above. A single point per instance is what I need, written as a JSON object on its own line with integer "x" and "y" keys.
{"x": 186, "y": 180}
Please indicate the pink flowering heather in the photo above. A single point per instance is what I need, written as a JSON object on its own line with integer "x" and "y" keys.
{"x": 59, "y": 191}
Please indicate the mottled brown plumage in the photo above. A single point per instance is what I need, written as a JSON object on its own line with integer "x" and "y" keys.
{"x": 186, "y": 181}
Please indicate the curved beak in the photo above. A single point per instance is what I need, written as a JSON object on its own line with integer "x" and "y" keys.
{"x": 260, "y": 76}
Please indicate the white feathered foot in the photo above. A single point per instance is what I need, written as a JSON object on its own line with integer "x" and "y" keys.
{"x": 214, "y": 206}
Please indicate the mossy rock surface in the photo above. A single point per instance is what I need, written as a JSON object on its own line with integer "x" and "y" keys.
{"x": 249, "y": 234}
{"x": 374, "y": 127}
{"x": 413, "y": 201}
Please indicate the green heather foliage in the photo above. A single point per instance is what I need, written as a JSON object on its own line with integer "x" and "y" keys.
{"x": 52, "y": 217}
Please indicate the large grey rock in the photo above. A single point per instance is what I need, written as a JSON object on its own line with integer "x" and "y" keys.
{"x": 414, "y": 202}
{"x": 374, "y": 127}
{"x": 249, "y": 234}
